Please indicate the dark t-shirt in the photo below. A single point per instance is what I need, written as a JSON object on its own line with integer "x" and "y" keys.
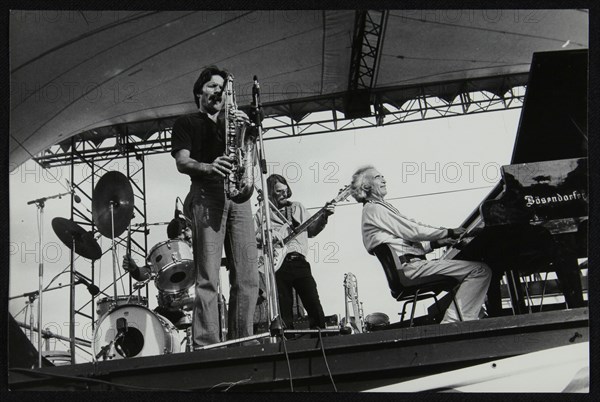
{"x": 201, "y": 136}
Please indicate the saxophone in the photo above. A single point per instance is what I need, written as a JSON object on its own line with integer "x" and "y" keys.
{"x": 239, "y": 185}
{"x": 351, "y": 297}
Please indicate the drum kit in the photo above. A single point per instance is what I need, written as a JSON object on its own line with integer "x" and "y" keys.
{"x": 126, "y": 327}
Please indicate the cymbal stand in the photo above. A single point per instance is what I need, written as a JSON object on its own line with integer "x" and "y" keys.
{"x": 41, "y": 281}
{"x": 131, "y": 289}
{"x": 114, "y": 254}
{"x": 40, "y": 203}
{"x": 266, "y": 232}
{"x": 72, "y": 305}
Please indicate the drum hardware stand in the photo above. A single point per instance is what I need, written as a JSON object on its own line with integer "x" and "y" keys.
{"x": 141, "y": 284}
{"x": 275, "y": 327}
{"x": 40, "y": 203}
{"x": 189, "y": 343}
{"x": 221, "y": 304}
{"x": 137, "y": 225}
{"x": 114, "y": 254}
{"x": 136, "y": 286}
{"x": 105, "y": 351}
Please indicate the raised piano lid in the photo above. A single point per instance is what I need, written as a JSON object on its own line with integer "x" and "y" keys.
{"x": 553, "y": 123}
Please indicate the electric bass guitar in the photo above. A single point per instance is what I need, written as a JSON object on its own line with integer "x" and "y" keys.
{"x": 280, "y": 250}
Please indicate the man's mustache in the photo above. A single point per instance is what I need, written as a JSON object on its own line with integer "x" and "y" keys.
{"x": 285, "y": 202}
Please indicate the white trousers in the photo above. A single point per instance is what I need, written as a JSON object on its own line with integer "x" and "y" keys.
{"x": 474, "y": 278}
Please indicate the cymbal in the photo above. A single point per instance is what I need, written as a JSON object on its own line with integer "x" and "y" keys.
{"x": 85, "y": 244}
{"x": 113, "y": 189}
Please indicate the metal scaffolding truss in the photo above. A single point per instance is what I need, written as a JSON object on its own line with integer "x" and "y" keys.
{"x": 121, "y": 145}
{"x": 369, "y": 27}
{"x": 421, "y": 108}
{"x": 84, "y": 180}
{"x": 281, "y": 123}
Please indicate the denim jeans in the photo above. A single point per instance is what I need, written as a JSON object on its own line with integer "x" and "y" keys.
{"x": 219, "y": 222}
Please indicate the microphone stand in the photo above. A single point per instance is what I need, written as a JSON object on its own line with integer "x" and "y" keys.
{"x": 40, "y": 203}
{"x": 35, "y": 293}
{"x": 272, "y": 298}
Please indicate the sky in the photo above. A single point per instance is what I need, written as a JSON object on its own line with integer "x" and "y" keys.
{"x": 438, "y": 171}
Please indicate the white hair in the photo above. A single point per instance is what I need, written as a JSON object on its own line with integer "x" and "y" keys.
{"x": 360, "y": 186}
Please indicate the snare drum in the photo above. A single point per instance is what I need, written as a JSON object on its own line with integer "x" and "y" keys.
{"x": 172, "y": 262}
{"x": 183, "y": 300}
{"x": 147, "y": 334}
{"x": 106, "y": 304}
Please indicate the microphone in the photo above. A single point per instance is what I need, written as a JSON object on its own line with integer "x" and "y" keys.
{"x": 121, "y": 331}
{"x": 93, "y": 289}
{"x": 121, "y": 325}
{"x": 75, "y": 196}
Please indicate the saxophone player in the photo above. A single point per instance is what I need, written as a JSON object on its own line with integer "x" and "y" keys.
{"x": 198, "y": 144}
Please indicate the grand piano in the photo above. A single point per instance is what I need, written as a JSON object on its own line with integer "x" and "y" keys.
{"x": 535, "y": 219}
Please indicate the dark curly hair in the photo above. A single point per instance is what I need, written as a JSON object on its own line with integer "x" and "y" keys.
{"x": 204, "y": 77}
{"x": 175, "y": 227}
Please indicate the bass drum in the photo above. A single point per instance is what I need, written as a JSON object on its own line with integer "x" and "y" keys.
{"x": 147, "y": 333}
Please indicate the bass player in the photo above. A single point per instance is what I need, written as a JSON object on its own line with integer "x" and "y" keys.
{"x": 294, "y": 272}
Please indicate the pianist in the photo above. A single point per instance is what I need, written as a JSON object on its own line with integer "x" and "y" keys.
{"x": 383, "y": 223}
